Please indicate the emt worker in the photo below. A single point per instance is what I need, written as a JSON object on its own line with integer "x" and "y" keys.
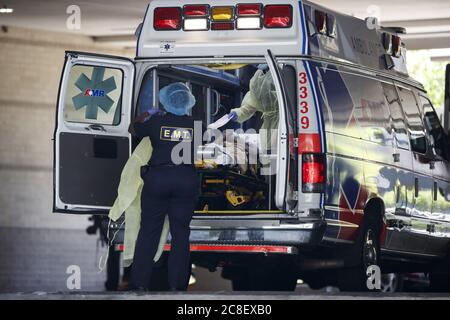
{"x": 261, "y": 97}
{"x": 170, "y": 188}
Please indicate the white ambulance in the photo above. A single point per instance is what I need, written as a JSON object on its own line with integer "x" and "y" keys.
{"x": 362, "y": 173}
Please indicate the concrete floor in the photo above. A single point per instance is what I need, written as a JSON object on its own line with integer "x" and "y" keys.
{"x": 34, "y": 261}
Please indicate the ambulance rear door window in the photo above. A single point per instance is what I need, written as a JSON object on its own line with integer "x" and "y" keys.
{"x": 94, "y": 95}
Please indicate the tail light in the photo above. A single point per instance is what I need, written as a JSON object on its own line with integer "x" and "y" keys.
{"x": 313, "y": 173}
{"x": 168, "y": 18}
{"x": 278, "y": 16}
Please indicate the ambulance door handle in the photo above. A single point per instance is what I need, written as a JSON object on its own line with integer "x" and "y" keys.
{"x": 96, "y": 127}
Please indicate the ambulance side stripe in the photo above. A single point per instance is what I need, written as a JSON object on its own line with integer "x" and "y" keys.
{"x": 313, "y": 87}
{"x": 303, "y": 24}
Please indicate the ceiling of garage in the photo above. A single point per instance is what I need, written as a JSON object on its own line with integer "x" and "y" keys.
{"x": 114, "y": 21}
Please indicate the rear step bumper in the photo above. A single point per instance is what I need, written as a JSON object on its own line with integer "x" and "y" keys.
{"x": 282, "y": 239}
{"x": 310, "y": 233}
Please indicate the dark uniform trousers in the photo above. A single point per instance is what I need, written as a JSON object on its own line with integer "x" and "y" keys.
{"x": 172, "y": 191}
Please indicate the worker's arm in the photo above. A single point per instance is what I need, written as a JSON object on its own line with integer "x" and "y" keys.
{"x": 247, "y": 108}
{"x": 139, "y": 119}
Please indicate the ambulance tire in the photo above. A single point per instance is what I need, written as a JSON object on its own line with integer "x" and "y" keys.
{"x": 365, "y": 253}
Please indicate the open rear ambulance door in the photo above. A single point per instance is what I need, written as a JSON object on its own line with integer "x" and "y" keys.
{"x": 91, "y": 140}
{"x": 283, "y": 156}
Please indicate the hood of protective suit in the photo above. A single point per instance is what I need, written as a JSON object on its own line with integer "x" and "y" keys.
{"x": 177, "y": 98}
{"x": 264, "y": 92}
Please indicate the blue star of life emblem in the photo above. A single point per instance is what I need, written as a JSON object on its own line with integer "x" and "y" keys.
{"x": 94, "y": 93}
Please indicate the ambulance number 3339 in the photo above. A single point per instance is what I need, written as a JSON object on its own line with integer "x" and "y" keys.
{"x": 303, "y": 95}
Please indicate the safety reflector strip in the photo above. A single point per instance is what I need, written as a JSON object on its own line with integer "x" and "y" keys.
{"x": 239, "y": 248}
{"x": 231, "y": 248}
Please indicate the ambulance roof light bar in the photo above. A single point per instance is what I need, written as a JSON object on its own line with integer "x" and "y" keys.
{"x": 201, "y": 17}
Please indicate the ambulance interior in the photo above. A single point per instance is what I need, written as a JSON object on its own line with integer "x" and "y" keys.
{"x": 231, "y": 181}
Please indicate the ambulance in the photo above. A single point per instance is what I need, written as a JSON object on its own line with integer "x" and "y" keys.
{"x": 362, "y": 174}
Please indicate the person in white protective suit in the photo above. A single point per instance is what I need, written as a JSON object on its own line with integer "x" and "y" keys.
{"x": 261, "y": 97}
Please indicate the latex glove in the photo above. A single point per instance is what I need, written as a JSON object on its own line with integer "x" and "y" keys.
{"x": 233, "y": 116}
{"x": 150, "y": 113}
{"x": 263, "y": 67}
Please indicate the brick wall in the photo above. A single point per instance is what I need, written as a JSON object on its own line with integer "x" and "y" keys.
{"x": 30, "y": 68}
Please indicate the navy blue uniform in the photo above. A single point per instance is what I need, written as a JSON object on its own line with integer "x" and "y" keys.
{"x": 168, "y": 189}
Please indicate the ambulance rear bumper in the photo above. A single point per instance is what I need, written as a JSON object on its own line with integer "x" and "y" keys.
{"x": 302, "y": 234}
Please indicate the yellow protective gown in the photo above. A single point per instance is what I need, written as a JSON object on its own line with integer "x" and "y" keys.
{"x": 261, "y": 97}
{"x": 129, "y": 201}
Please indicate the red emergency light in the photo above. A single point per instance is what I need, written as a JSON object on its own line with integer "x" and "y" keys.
{"x": 196, "y": 10}
{"x": 249, "y": 9}
{"x": 278, "y": 16}
{"x": 167, "y": 18}
{"x": 218, "y": 26}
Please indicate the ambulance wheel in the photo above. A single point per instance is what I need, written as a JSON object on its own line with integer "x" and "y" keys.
{"x": 365, "y": 253}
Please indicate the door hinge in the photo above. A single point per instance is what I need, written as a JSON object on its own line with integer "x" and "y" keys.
{"x": 295, "y": 142}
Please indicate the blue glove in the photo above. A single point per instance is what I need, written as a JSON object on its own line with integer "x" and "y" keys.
{"x": 233, "y": 116}
{"x": 151, "y": 112}
{"x": 263, "y": 67}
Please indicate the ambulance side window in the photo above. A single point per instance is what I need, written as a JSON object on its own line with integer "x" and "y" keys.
{"x": 145, "y": 99}
{"x": 94, "y": 95}
{"x": 162, "y": 82}
{"x": 201, "y": 94}
{"x": 414, "y": 121}
{"x": 397, "y": 118}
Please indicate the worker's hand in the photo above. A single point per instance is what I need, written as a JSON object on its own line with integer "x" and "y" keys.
{"x": 141, "y": 118}
{"x": 233, "y": 116}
